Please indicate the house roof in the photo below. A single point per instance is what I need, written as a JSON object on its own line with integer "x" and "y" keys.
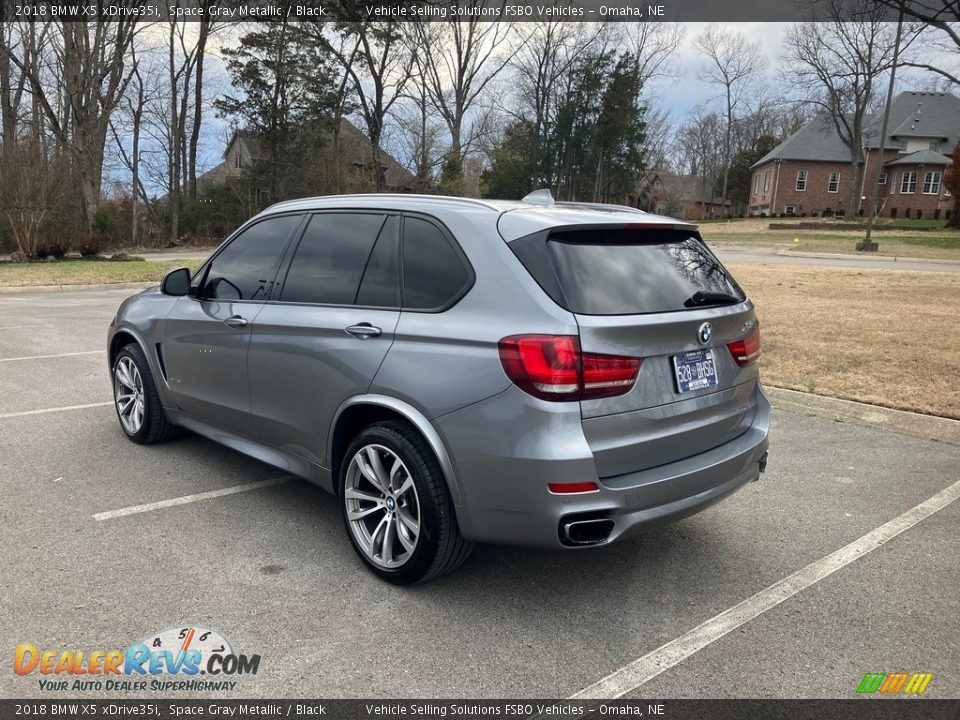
{"x": 817, "y": 140}
{"x": 919, "y": 114}
{"x": 922, "y": 157}
{"x": 912, "y": 114}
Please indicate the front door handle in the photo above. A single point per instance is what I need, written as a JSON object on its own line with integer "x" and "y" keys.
{"x": 235, "y": 322}
{"x": 363, "y": 331}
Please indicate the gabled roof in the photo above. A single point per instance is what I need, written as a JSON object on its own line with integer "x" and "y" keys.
{"x": 817, "y": 140}
{"x": 922, "y": 157}
{"x": 912, "y": 114}
{"x": 919, "y": 114}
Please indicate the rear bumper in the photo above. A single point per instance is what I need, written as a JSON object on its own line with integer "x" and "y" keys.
{"x": 507, "y": 448}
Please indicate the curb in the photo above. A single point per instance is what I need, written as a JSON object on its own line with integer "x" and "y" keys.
{"x": 931, "y": 427}
{"x": 865, "y": 256}
{"x": 75, "y": 288}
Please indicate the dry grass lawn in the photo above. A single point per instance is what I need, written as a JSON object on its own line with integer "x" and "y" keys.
{"x": 882, "y": 337}
{"x": 86, "y": 272}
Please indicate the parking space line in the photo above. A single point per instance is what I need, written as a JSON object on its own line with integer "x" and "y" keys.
{"x": 644, "y": 669}
{"x": 44, "y": 411}
{"x": 44, "y": 357}
{"x": 187, "y": 499}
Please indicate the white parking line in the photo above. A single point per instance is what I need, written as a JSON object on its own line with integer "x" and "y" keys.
{"x": 44, "y": 357}
{"x": 44, "y": 411}
{"x": 644, "y": 669}
{"x": 186, "y": 499}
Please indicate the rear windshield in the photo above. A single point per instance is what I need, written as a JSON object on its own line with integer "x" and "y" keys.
{"x": 627, "y": 272}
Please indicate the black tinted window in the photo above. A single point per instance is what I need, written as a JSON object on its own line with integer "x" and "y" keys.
{"x": 380, "y": 286}
{"x": 330, "y": 259}
{"x": 244, "y": 269}
{"x": 433, "y": 273}
{"x": 626, "y": 272}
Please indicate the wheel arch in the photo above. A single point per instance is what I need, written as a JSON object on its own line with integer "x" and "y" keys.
{"x": 362, "y": 410}
{"x": 121, "y": 338}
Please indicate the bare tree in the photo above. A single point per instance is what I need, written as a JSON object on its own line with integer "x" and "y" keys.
{"x": 88, "y": 62}
{"x": 732, "y": 62}
{"x": 12, "y": 85}
{"x": 942, "y": 32}
{"x": 32, "y": 183}
{"x": 376, "y": 62}
{"x": 420, "y": 133}
{"x": 457, "y": 61}
{"x": 838, "y": 64}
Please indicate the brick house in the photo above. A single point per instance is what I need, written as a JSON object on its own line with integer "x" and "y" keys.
{"x": 809, "y": 173}
{"x": 682, "y": 196}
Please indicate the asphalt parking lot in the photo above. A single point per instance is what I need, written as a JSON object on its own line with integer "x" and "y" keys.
{"x": 272, "y": 569}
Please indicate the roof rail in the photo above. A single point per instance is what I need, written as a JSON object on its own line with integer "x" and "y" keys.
{"x": 600, "y": 206}
{"x": 393, "y": 196}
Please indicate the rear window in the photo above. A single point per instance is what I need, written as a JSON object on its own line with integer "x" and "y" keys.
{"x": 627, "y": 272}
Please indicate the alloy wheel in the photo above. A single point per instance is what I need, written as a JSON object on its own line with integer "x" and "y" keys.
{"x": 128, "y": 395}
{"x": 382, "y": 506}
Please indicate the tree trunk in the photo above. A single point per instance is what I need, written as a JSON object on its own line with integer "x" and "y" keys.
{"x": 853, "y": 201}
{"x": 197, "y": 108}
{"x": 954, "y": 221}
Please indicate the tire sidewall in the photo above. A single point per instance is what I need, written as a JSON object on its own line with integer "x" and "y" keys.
{"x": 431, "y": 511}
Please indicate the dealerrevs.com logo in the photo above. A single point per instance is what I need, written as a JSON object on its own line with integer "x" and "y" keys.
{"x": 187, "y": 658}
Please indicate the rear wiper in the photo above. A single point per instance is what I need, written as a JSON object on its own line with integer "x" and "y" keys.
{"x": 699, "y": 299}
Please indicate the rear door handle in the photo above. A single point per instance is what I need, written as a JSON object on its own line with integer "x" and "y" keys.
{"x": 235, "y": 322}
{"x": 363, "y": 331}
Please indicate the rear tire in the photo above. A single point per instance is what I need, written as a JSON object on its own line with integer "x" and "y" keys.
{"x": 396, "y": 507}
{"x": 136, "y": 400}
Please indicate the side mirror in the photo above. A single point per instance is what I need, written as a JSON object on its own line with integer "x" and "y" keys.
{"x": 176, "y": 282}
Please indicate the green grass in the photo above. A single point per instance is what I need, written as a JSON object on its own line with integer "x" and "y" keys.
{"x": 87, "y": 272}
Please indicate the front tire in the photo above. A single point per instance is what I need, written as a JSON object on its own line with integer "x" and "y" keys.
{"x": 136, "y": 400}
{"x": 396, "y": 507}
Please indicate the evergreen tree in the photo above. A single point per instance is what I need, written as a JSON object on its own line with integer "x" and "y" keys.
{"x": 288, "y": 104}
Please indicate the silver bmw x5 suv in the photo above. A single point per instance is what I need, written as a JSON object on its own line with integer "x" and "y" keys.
{"x": 455, "y": 371}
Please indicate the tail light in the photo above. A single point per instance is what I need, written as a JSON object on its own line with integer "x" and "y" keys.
{"x": 746, "y": 351}
{"x": 552, "y": 367}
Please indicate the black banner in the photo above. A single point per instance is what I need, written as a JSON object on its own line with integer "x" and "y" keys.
{"x": 859, "y": 709}
{"x": 455, "y": 10}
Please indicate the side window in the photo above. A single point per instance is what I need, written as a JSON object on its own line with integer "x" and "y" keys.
{"x": 433, "y": 273}
{"x": 244, "y": 269}
{"x": 329, "y": 262}
{"x": 380, "y": 286}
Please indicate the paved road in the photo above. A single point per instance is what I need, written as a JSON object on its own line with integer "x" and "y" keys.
{"x": 730, "y": 254}
{"x": 769, "y": 255}
{"x": 272, "y": 569}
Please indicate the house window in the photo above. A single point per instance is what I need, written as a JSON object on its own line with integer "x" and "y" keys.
{"x": 903, "y": 146}
{"x": 931, "y": 183}
{"x": 790, "y": 209}
{"x": 237, "y": 161}
{"x": 766, "y": 181}
{"x": 934, "y": 145}
{"x": 908, "y": 183}
{"x": 756, "y": 183}
{"x": 834, "y": 183}
{"x": 801, "y": 180}
{"x": 882, "y": 179}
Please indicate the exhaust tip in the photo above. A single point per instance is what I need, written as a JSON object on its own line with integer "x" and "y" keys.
{"x": 763, "y": 463}
{"x": 586, "y": 532}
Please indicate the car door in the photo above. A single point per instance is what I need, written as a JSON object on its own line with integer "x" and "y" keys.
{"x": 207, "y": 333}
{"x": 323, "y": 336}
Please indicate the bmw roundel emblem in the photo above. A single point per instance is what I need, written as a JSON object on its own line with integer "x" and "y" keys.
{"x": 705, "y": 333}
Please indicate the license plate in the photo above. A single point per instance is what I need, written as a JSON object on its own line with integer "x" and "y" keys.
{"x": 695, "y": 370}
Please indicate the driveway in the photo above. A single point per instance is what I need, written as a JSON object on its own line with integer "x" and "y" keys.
{"x": 108, "y": 542}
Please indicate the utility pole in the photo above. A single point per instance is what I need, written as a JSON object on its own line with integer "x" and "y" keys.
{"x": 867, "y": 244}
